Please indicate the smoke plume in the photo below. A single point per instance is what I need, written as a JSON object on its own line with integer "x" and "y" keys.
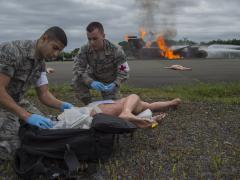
{"x": 158, "y": 16}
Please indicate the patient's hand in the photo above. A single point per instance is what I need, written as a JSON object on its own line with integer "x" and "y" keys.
{"x": 93, "y": 113}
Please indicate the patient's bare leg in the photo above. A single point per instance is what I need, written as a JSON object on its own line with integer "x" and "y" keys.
{"x": 127, "y": 107}
{"x": 132, "y": 105}
{"x": 161, "y": 105}
{"x": 124, "y": 108}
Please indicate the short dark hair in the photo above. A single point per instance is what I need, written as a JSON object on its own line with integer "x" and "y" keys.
{"x": 56, "y": 33}
{"x": 95, "y": 25}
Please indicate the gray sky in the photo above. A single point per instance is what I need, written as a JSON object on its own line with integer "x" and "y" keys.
{"x": 198, "y": 20}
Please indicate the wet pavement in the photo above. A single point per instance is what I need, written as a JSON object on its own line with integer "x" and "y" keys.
{"x": 151, "y": 73}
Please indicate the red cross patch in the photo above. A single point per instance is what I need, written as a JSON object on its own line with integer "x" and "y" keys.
{"x": 122, "y": 68}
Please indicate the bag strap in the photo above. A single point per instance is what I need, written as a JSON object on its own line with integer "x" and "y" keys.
{"x": 71, "y": 160}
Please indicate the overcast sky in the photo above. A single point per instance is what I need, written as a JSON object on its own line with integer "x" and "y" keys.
{"x": 198, "y": 20}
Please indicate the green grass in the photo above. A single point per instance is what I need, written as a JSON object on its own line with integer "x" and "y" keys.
{"x": 227, "y": 93}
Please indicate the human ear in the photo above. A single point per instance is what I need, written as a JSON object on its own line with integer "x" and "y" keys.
{"x": 44, "y": 38}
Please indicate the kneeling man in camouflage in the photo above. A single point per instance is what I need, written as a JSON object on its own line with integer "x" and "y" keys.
{"x": 22, "y": 64}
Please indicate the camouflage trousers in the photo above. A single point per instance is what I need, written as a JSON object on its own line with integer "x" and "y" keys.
{"x": 9, "y": 125}
{"x": 82, "y": 93}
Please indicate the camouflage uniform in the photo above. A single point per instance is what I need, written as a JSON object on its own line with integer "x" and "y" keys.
{"x": 102, "y": 66}
{"x": 17, "y": 60}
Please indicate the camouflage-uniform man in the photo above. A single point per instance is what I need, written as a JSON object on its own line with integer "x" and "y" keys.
{"x": 22, "y": 65}
{"x": 100, "y": 65}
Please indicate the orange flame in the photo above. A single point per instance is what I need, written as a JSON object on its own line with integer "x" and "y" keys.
{"x": 142, "y": 32}
{"x": 126, "y": 37}
{"x": 166, "y": 52}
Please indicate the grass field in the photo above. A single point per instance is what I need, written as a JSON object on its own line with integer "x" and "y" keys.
{"x": 199, "y": 140}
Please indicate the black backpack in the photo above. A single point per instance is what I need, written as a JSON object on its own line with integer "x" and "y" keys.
{"x": 54, "y": 153}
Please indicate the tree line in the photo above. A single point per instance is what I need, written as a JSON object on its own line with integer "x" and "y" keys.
{"x": 220, "y": 41}
{"x": 68, "y": 56}
{"x": 186, "y": 41}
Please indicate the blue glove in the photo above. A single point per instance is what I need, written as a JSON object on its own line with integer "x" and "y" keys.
{"x": 98, "y": 86}
{"x": 39, "y": 121}
{"x": 110, "y": 87}
{"x": 65, "y": 105}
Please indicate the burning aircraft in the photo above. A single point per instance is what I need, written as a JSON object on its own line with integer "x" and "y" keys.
{"x": 138, "y": 48}
{"x": 156, "y": 47}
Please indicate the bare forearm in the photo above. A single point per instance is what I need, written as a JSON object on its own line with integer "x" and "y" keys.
{"x": 49, "y": 100}
{"x": 7, "y": 102}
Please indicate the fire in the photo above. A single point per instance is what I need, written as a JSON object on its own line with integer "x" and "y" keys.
{"x": 166, "y": 52}
{"x": 142, "y": 32}
{"x": 150, "y": 43}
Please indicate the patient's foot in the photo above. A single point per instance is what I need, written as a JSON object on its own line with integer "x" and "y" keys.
{"x": 139, "y": 122}
{"x": 159, "y": 118}
{"x": 175, "y": 103}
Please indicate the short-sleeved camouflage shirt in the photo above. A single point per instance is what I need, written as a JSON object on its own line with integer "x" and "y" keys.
{"x": 18, "y": 61}
{"x": 103, "y": 65}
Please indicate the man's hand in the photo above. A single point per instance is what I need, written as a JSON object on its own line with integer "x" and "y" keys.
{"x": 98, "y": 86}
{"x": 39, "y": 121}
{"x": 65, "y": 105}
{"x": 110, "y": 87}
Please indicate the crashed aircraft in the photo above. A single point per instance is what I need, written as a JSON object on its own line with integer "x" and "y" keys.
{"x": 138, "y": 48}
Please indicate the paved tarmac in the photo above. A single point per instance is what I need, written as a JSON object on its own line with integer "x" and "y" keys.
{"x": 151, "y": 73}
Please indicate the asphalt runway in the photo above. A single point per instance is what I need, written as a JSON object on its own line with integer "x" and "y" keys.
{"x": 151, "y": 73}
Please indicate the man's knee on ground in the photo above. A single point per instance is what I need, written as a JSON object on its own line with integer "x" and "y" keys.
{"x": 7, "y": 149}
